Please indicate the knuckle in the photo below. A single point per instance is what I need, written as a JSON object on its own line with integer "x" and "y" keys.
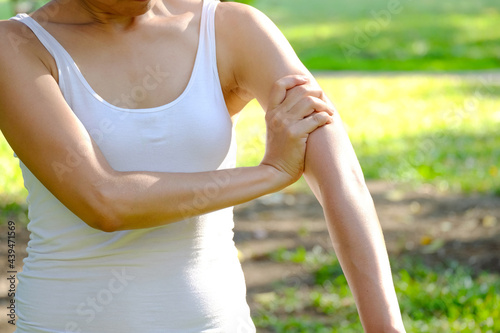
{"x": 313, "y": 91}
{"x": 280, "y": 84}
{"x": 291, "y": 132}
{"x": 317, "y": 92}
{"x": 302, "y": 90}
{"x": 318, "y": 118}
{"x": 278, "y": 123}
{"x": 310, "y": 100}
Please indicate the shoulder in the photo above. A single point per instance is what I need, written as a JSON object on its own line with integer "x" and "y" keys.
{"x": 16, "y": 39}
{"x": 15, "y": 43}
{"x": 12, "y": 35}
{"x": 237, "y": 19}
{"x": 20, "y": 46}
{"x": 247, "y": 35}
{"x": 250, "y": 34}
{"x": 257, "y": 50}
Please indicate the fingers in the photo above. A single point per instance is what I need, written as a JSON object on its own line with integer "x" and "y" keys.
{"x": 280, "y": 88}
{"x": 304, "y": 94}
{"x": 307, "y": 105}
{"x": 312, "y": 122}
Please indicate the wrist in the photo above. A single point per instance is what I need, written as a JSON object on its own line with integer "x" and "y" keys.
{"x": 274, "y": 178}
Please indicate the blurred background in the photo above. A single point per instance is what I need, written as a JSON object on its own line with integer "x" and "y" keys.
{"x": 417, "y": 84}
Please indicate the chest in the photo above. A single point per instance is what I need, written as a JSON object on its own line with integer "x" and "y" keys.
{"x": 142, "y": 68}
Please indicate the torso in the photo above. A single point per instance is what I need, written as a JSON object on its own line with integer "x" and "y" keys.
{"x": 198, "y": 285}
{"x": 114, "y": 63}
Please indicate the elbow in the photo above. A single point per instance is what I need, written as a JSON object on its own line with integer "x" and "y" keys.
{"x": 102, "y": 211}
{"x": 107, "y": 224}
{"x": 104, "y": 221}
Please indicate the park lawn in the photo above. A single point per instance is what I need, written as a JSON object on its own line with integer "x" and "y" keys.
{"x": 5, "y": 9}
{"x": 435, "y": 129}
{"x": 446, "y": 298}
{"x": 390, "y": 35}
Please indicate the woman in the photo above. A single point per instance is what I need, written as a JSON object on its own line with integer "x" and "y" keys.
{"x": 120, "y": 112}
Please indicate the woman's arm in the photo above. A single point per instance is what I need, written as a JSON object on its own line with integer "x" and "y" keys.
{"x": 331, "y": 168}
{"x": 46, "y": 135}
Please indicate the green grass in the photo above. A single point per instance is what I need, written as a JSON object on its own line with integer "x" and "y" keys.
{"x": 5, "y": 9}
{"x": 12, "y": 191}
{"x": 418, "y": 35}
{"x": 441, "y": 130}
{"x": 444, "y": 298}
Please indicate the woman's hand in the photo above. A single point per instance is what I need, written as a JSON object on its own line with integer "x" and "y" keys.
{"x": 295, "y": 110}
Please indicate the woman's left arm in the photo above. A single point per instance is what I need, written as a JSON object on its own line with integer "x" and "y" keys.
{"x": 258, "y": 55}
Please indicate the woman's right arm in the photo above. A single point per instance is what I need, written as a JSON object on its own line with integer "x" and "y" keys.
{"x": 46, "y": 135}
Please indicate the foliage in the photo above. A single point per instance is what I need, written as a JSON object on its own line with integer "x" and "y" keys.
{"x": 443, "y": 298}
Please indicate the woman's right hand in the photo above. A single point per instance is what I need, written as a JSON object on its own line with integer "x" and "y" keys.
{"x": 295, "y": 110}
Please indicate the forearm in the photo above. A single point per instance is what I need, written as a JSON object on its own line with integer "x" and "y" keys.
{"x": 334, "y": 175}
{"x": 147, "y": 199}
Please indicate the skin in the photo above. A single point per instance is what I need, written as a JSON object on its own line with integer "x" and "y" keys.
{"x": 305, "y": 133}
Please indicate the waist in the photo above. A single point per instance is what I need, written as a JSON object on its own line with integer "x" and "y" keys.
{"x": 171, "y": 294}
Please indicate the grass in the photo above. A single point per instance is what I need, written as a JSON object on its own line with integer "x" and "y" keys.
{"x": 441, "y": 130}
{"x": 444, "y": 298}
{"x": 12, "y": 191}
{"x": 375, "y": 35}
{"x": 5, "y": 9}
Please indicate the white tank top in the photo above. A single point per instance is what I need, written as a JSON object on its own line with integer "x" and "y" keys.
{"x": 182, "y": 277}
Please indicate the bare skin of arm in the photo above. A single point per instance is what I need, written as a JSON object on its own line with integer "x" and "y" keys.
{"x": 43, "y": 130}
{"x": 332, "y": 170}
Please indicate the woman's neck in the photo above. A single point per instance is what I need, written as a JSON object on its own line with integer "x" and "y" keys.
{"x": 110, "y": 15}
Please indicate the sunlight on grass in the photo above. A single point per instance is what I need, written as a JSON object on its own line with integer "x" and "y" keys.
{"x": 423, "y": 35}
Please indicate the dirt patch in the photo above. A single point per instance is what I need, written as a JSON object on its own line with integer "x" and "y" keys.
{"x": 419, "y": 221}
{"x": 422, "y": 221}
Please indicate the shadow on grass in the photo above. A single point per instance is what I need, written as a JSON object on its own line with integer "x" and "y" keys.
{"x": 479, "y": 255}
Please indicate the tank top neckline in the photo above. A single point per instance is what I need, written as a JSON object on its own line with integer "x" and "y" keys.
{"x": 89, "y": 88}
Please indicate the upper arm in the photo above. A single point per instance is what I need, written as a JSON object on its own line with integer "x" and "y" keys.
{"x": 259, "y": 52}
{"x": 262, "y": 56}
{"x": 42, "y": 129}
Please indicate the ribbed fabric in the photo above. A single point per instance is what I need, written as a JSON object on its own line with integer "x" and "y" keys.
{"x": 182, "y": 277}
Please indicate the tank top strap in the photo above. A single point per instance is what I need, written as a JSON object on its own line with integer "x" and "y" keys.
{"x": 56, "y": 50}
{"x": 50, "y": 43}
{"x": 207, "y": 37}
